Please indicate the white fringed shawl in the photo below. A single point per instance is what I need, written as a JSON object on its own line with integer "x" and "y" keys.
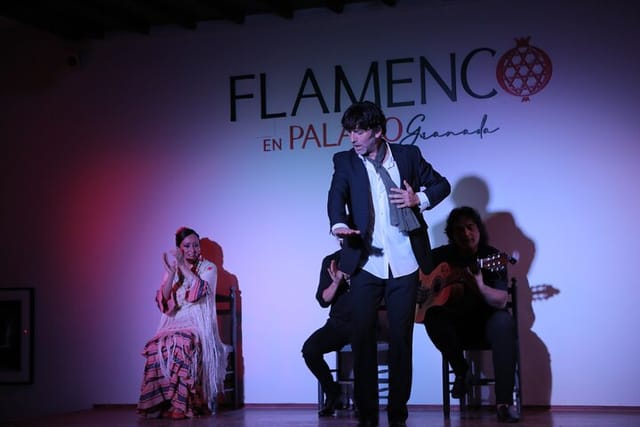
{"x": 199, "y": 317}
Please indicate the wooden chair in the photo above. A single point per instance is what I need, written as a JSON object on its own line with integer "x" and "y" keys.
{"x": 473, "y": 398}
{"x": 228, "y": 325}
{"x": 344, "y": 367}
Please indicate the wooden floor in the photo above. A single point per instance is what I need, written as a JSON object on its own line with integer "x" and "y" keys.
{"x": 306, "y": 416}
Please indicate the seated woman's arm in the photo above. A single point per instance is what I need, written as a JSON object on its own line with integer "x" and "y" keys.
{"x": 203, "y": 284}
{"x": 165, "y": 297}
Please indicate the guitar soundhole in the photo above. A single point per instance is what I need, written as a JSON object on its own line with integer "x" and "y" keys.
{"x": 437, "y": 284}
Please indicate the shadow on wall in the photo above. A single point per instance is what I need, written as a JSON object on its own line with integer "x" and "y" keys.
{"x": 505, "y": 235}
{"x": 212, "y": 251}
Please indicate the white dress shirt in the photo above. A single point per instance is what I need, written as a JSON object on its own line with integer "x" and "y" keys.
{"x": 396, "y": 252}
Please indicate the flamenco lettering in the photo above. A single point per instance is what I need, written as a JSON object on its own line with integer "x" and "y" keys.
{"x": 399, "y": 78}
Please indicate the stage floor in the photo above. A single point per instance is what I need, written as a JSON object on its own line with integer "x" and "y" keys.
{"x": 306, "y": 416}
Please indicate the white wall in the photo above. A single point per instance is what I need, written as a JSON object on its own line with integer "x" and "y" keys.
{"x": 105, "y": 160}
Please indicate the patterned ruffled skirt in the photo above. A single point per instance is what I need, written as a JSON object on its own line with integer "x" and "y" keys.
{"x": 180, "y": 391}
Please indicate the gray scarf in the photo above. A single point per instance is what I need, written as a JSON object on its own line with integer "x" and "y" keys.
{"x": 403, "y": 218}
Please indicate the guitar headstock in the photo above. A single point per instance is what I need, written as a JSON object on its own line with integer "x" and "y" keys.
{"x": 543, "y": 292}
{"x": 494, "y": 262}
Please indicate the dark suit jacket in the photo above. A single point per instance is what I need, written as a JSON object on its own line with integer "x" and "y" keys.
{"x": 349, "y": 202}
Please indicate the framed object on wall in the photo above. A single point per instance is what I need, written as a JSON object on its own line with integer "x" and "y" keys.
{"x": 16, "y": 335}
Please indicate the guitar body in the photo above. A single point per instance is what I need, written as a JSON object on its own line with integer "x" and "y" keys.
{"x": 446, "y": 283}
{"x": 436, "y": 288}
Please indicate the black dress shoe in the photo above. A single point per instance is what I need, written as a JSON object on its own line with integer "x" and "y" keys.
{"x": 459, "y": 388}
{"x": 330, "y": 405}
{"x": 368, "y": 423}
{"x": 397, "y": 424}
{"x": 507, "y": 414}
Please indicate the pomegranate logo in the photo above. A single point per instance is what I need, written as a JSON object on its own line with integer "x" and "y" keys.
{"x": 524, "y": 70}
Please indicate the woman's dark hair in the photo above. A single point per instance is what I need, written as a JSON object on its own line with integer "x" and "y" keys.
{"x": 473, "y": 215}
{"x": 182, "y": 233}
{"x": 364, "y": 115}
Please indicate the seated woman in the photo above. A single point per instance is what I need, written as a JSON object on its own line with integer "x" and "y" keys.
{"x": 185, "y": 360}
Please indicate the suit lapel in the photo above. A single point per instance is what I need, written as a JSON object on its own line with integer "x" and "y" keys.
{"x": 360, "y": 171}
{"x": 360, "y": 194}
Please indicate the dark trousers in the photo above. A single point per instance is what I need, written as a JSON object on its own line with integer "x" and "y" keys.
{"x": 451, "y": 331}
{"x": 334, "y": 335}
{"x": 400, "y": 299}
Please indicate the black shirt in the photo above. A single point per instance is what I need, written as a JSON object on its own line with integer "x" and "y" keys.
{"x": 341, "y": 303}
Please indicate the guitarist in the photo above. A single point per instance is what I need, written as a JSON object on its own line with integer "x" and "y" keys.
{"x": 477, "y": 314}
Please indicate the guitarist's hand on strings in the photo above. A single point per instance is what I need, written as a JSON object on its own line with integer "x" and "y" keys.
{"x": 494, "y": 297}
{"x": 476, "y": 273}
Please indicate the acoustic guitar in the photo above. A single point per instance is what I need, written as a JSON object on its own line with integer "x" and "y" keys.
{"x": 446, "y": 282}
